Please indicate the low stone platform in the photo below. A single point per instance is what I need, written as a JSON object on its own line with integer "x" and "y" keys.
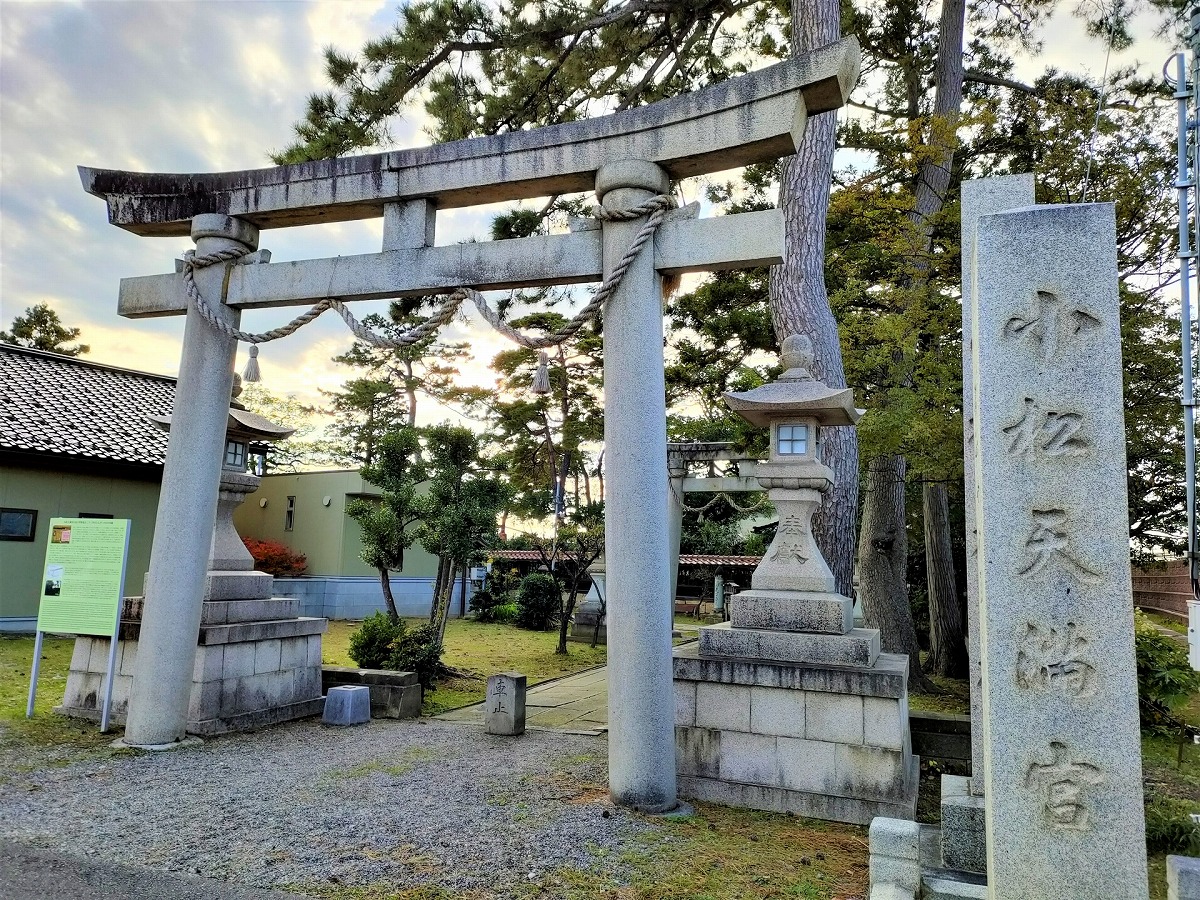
{"x": 247, "y": 673}
{"x": 829, "y": 742}
{"x": 394, "y": 695}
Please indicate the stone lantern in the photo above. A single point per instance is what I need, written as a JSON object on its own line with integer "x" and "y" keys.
{"x": 257, "y": 660}
{"x": 795, "y": 407}
{"x": 244, "y": 431}
{"x": 788, "y": 706}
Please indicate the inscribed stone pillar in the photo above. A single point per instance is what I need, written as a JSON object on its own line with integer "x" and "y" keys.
{"x": 641, "y": 700}
{"x": 183, "y": 529}
{"x": 981, "y": 197}
{"x": 504, "y": 705}
{"x": 1061, "y": 748}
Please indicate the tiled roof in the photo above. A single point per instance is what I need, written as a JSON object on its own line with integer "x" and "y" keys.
{"x": 53, "y": 404}
{"x": 685, "y": 559}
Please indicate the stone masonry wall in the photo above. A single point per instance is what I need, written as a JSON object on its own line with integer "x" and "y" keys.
{"x": 234, "y": 685}
{"x": 779, "y": 746}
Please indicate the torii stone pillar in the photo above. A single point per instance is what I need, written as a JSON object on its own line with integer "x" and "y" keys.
{"x": 187, "y": 507}
{"x": 641, "y": 702}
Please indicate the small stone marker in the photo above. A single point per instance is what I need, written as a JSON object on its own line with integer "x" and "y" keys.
{"x": 1061, "y": 740}
{"x": 504, "y": 706}
{"x": 347, "y": 705}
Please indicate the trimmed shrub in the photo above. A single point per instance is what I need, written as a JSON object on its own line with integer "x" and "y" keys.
{"x": 538, "y": 602}
{"x": 371, "y": 644}
{"x": 484, "y": 603}
{"x": 275, "y": 558}
{"x": 380, "y": 643}
{"x": 418, "y": 651}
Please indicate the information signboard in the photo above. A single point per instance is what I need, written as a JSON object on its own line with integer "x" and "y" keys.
{"x": 83, "y": 581}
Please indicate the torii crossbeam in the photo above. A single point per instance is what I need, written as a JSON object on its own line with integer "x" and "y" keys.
{"x": 627, "y": 158}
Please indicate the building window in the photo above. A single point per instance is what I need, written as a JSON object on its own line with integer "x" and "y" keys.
{"x": 289, "y": 515}
{"x": 17, "y": 524}
{"x": 793, "y": 440}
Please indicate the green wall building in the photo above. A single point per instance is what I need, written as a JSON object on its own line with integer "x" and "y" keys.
{"x": 74, "y": 442}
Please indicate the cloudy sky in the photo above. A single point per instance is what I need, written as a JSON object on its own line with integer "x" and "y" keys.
{"x": 164, "y": 86}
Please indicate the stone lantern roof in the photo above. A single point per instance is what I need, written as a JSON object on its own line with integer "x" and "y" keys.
{"x": 242, "y": 424}
{"x": 795, "y": 392}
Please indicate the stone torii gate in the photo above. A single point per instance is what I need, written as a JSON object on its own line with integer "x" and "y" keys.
{"x": 628, "y": 158}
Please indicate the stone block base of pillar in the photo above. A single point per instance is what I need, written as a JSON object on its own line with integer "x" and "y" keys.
{"x": 823, "y": 741}
{"x": 394, "y": 695}
{"x": 906, "y": 864}
{"x": 964, "y": 840}
{"x": 257, "y": 663}
{"x": 1183, "y": 878}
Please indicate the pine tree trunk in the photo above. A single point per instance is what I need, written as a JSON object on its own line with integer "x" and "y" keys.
{"x": 947, "y": 635}
{"x": 883, "y": 565}
{"x": 799, "y": 302}
{"x": 386, "y": 584}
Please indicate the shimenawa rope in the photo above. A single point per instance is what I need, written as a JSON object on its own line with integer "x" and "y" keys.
{"x": 655, "y": 209}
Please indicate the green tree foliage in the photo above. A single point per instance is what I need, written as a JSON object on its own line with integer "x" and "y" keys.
{"x": 304, "y": 449}
{"x": 720, "y": 340}
{"x": 41, "y": 329}
{"x": 932, "y": 109}
{"x": 390, "y": 524}
{"x": 485, "y": 68}
{"x": 427, "y": 367}
{"x": 459, "y": 510}
{"x": 364, "y": 410}
{"x": 577, "y": 543}
{"x": 549, "y": 441}
{"x": 1133, "y": 167}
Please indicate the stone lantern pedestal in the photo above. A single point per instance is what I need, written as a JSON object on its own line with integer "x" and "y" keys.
{"x": 590, "y": 620}
{"x": 787, "y": 706}
{"x": 258, "y": 662}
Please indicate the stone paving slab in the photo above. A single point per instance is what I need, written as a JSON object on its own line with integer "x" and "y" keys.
{"x": 575, "y": 703}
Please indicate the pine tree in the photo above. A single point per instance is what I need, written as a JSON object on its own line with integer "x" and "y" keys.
{"x": 41, "y": 329}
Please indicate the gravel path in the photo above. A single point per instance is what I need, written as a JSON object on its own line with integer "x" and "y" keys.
{"x": 401, "y": 802}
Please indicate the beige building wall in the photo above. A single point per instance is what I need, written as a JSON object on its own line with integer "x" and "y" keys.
{"x": 320, "y": 528}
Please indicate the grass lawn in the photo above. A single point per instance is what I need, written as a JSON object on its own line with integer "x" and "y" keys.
{"x": 481, "y": 650}
{"x": 46, "y": 739}
{"x": 1167, "y": 622}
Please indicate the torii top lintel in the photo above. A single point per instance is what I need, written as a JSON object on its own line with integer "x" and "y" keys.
{"x": 752, "y": 118}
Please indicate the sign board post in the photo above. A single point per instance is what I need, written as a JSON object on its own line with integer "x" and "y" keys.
{"x": 82, "y": 586}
